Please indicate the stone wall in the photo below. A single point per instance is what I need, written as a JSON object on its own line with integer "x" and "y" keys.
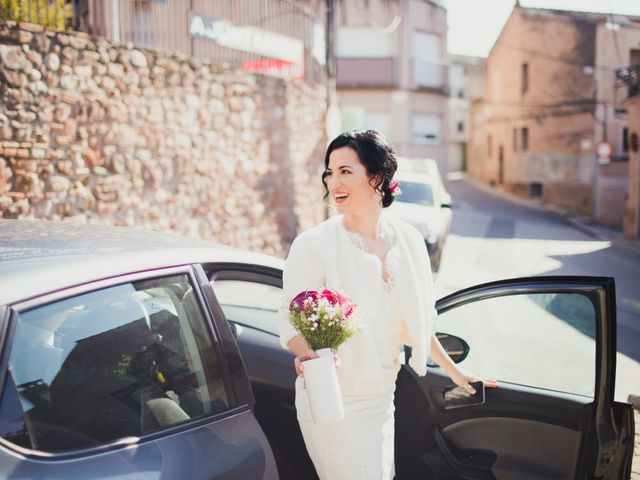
{"x": 573, "y": 196}
{"x": 102, "y": 133}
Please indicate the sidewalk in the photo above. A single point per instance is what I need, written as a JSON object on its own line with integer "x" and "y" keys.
{"x": 579, "y": 222}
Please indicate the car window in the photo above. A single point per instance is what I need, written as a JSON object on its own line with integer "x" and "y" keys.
{"x": 250, "y": 303}
{"x": 413, "y": 192}
{"x": 119, "y": 362}
{"x": 539, "y": 340}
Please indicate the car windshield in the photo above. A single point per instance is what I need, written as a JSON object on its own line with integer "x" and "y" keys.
{"x": 413, "y": 192}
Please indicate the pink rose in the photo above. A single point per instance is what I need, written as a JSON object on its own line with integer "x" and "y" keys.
{"x": 330, "y": 296}
{"x": 348, "y": 308}
{"x": 336, "y": 298}
{"x": 298, "y": 300}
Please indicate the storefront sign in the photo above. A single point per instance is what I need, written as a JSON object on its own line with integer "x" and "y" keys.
{"x": 275, "y": 67}
{"x": 247, "y": 39}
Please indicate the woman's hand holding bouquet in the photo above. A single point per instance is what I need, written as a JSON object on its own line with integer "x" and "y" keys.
{"x": 325, "y": 319}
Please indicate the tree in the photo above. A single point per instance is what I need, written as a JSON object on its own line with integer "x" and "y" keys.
{"x": 53, "y": 14}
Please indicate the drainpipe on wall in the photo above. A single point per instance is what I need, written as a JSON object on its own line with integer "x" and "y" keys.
{"x": 115, "y": 20}
{"x": 333, "y": 121}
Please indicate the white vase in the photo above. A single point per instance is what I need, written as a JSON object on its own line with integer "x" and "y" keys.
{"x": 323, "y": 389}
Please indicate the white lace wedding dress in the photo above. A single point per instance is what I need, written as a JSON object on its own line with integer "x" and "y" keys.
{"x": 361, "y": 447}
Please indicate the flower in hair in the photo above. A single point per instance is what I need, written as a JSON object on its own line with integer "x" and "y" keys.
{"x": 395, "y": 188}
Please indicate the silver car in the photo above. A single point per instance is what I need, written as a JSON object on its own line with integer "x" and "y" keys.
{"x": 130, "y": 354}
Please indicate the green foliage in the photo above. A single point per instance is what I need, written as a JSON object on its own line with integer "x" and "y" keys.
{"x": 53, "y": 14}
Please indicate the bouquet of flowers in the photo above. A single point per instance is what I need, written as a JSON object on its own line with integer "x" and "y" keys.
{"x": 324, "y": 318}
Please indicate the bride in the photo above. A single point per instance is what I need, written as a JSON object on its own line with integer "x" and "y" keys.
{"x": 382, "y": 265}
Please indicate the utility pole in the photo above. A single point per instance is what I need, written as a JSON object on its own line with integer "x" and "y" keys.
{"x": 331, "y": 71}
{"x": 115, "y": 19}
{"x": 333, "y": 124}
{"x": 332, "y": 115}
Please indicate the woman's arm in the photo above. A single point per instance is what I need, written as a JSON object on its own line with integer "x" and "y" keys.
{"x": 301, "y": 349}
{"x": 299, "y": 346}
{"x": 459, "y": 376}
{"x": 438, "y": 353}
{"x": 303, "y": 270}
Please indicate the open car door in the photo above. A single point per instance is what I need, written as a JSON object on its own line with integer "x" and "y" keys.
{"x": 551, "y": 344}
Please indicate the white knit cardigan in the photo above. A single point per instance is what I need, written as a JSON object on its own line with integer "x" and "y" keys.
{"x": 323, "y": 256}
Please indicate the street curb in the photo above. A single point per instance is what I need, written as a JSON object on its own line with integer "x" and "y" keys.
{"x": 581, "y": 223}
{"x": 585, "y": 228}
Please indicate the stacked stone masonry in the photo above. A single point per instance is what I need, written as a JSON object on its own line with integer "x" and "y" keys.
{"x": 101, "y": 133}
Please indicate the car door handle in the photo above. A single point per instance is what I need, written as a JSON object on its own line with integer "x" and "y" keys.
{"x": 474, "y": 464}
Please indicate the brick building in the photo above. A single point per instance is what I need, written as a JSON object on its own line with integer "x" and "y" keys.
{"x": 549, "y": 97}
{"x": 631, "y": 224}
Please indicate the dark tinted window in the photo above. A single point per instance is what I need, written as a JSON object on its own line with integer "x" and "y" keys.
{"x": 118, "y": 362}
{"x": 13, "y": 426}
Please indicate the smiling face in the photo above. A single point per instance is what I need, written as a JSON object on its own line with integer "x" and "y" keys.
{"x": 349, "y": 184}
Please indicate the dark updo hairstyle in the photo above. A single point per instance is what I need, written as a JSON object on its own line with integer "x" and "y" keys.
{"x": 374, "y": 152}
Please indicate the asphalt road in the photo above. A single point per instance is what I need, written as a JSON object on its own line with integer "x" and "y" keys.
{"x": 495, "y": 237}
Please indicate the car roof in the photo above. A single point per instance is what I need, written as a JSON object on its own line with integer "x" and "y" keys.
{"x": 408, "y": 176}
{"x": 419, "y": 164}
{"x": 38, "y": 257}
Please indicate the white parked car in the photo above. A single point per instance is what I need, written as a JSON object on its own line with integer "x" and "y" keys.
{"x": 425, "y": 204}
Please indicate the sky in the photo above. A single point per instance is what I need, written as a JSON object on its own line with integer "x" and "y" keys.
{"x": 474, "y": 25}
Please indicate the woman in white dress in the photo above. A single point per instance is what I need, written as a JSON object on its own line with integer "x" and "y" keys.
{"x": 382, "y": 265}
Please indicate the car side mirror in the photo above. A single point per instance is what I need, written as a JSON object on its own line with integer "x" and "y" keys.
{"x": 455, "y": 347}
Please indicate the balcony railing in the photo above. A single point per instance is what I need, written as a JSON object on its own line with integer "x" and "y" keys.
{"x": 630, "y": 76}
{"x": 283, "y": 38}
{"x": 366, "y": 73}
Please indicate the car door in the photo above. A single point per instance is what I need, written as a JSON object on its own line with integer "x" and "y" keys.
{"x": 125, "y": 377}
{"x": 551, "y": 344}
{"x": 250, "y": 297}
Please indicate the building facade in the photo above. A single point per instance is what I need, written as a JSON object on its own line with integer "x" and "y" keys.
{"x": 550, "y": 97}
{"x": 631, "y": 225}
{"x": 460, "y": 70}
{"x": 392, "y": 73}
